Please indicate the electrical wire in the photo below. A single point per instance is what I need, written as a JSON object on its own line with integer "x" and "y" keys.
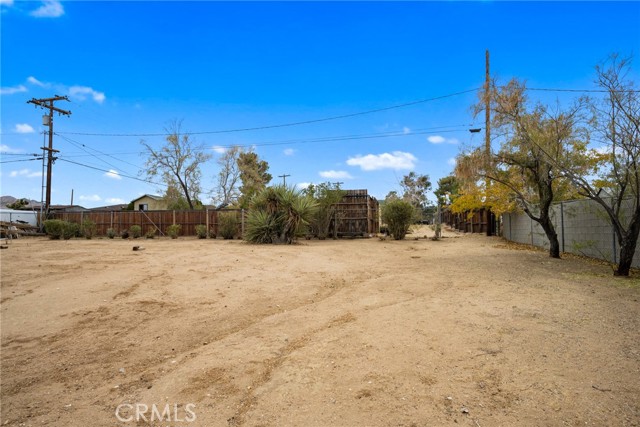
{"x": 17, "y": 161}
{"x": 399, "y": 133}
{"x": 108, "y": 171}
{"x": 304, "y": 122}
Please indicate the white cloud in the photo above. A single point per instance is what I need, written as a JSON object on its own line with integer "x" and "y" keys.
{"x": 115, "y": 201}
{"x": 37, "y": 82}
{"x": 437, "y": 139}
{"x": 289, "y": 151}
{"x": 12, "y": 90}
{"x": 25, "y": 173}
{"x": 81, "y": 92}
{"x": 303, "y": 185}
{"x": 395, "y": 160}
{"x": 6, "y": 149}
{"x": 49, "y": 9}
{"x": 451, "y": 161}
{"x": 113, "y": 174}
{"x": 218, "y": 149}
{"x": 6, "y": 2}
{"x": 335, "y": 174}
{"x": 406, "y": 130}
{"x": 24, "y": 128}
{"x": 91, "y": 198}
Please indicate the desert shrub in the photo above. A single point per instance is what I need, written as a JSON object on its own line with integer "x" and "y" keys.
{"x": 54, "y": 228}
{"x": 124, "y": 234}
{"x": 278, "y": 215}
{"x": 135, "y": 231}
{"x": 70, "y": 229}
{"x": 398, "y": 215}
{"x": 173, "y": 230}
{"x": 201, "y": 231}
{"x": 89, "y": 228}
{"x": 227, "y": 224}
{"x": 151, "y": 233}
{"x": 111, "y": 233}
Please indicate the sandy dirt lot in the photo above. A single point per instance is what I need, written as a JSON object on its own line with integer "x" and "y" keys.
{"x": 465, "y": 331}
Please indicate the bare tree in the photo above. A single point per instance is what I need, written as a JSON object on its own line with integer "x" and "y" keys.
{"x": 177, "y": 162}
{"x": 617, "y": 189}
{"x": 227, "y": 189}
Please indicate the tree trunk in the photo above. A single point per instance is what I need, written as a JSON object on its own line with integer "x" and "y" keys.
{"x": 554, "y": 245}
{"x": 628, "y": 246}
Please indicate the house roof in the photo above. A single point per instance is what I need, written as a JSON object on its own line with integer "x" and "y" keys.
{"x": 151, "y": 196}
{"x": 110, "y": 208}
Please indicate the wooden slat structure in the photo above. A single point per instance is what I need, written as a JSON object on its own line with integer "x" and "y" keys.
{"x": 470, "y": 222}
{"x": 357, "y": 215}
{"x": 158, "y": 220}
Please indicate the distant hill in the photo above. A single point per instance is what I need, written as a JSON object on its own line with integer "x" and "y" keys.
{"x": 7, "y": 200}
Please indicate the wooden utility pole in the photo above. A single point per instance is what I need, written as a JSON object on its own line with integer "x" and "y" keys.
{"x": 48, "y": 103}
{"x": 487, "y": 136}
{"x": 284, "y": 179}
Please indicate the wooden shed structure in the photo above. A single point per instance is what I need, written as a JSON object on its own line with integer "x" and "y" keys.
{"x": 357, "y": 214}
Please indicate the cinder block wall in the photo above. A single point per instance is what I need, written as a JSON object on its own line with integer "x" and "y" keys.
{"x": 583, "y": 228}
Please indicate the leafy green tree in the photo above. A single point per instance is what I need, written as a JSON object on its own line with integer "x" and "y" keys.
{"x": 178, "y": 162}
{"x": 448, "y": 189}
{"x": 254, "y": 176}
{"x": 415, "y": 188}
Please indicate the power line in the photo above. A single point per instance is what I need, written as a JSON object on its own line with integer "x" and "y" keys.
{"x": 83, "y": 147}
{"x": 421, "y": 131}
{"x": 304, "y": 122}
{"x": 23, "y": 160}
{"x": 108, "y": 171}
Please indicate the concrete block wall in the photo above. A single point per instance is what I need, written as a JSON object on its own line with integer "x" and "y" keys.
{"x": 583, "y": 228}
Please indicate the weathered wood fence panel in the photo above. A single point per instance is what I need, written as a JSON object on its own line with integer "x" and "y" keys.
{"x": 356, "y": 215}
{"x": 150, "y": 220}
{"x": 474, "y": 222}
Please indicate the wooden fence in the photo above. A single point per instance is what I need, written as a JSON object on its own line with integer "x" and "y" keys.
{"x": 474, "y": 222}
{"x": 356, "y": 215}
{"x": 152, "y": 220}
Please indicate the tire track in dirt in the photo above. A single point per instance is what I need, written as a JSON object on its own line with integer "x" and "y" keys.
{"x": 271, "y": 364}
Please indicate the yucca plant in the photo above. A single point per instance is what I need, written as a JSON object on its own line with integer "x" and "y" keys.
{"x": 278, "y": 214}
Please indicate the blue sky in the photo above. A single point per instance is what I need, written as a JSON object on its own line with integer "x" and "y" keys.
{"x": 131, "y": 67}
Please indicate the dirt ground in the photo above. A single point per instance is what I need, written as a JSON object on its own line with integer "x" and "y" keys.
{"x": 464, "y": 331}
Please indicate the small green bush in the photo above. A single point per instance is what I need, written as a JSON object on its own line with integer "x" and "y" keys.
{"x": 201, "y": 231}
{"x": 135, "y": 231}
{"x": 89, "y": 228}
{"x": 151, "y": 233}
{"x": 70, "y": 229}
{"x": 54, "y": 228}
{"x": 124, "y": 234}
{"x": 111, "y": 233}
{"x": 227, "y": 224}
{"x": 174, "y": 230}
{"x": 398, "y": 215}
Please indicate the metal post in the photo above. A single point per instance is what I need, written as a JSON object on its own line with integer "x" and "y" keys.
{"x": 562, "y": 224}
